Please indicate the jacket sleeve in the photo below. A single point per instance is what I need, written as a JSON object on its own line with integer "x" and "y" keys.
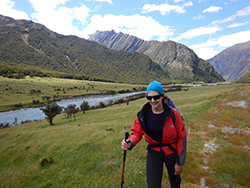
{"x": 136, "y": 133}
{"x": 182, "y": 138}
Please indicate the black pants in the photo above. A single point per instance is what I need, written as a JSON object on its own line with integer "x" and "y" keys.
{"x": 155, "y": 162}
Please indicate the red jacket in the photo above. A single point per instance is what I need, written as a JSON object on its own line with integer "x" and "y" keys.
{"x": 173, "y": 133}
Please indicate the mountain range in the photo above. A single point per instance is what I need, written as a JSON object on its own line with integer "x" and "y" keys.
{"x": 233, "y": 62}
{"x": 24, "y": 43}
{"x": 178, "y": 60}
{"x": 27, "y": 44}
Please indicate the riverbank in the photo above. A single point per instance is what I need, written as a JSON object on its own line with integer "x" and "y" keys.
{"x": 37, "y": 92}
{"x": 17, "y": 117}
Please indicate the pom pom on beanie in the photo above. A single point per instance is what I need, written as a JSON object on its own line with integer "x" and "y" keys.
{"x": 156, "y": 87}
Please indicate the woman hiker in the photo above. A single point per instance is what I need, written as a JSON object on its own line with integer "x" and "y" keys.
{"x": 165, "y": 133}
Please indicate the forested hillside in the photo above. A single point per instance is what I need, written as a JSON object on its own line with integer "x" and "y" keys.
{"x": 31, "y": 45}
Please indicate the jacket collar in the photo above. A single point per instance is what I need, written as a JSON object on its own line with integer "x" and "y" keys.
{"x": 168, "y": 110}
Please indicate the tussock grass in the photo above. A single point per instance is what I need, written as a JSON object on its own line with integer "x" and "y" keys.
{"x": 85, "y": 154}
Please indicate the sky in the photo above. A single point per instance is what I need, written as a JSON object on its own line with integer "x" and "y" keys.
{"x": 206, "y": 26}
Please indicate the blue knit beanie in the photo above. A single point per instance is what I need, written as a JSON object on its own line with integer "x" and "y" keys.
{"x": 156, "y": 87}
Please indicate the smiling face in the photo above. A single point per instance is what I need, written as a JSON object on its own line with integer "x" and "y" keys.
{"x": 155, "y": 101}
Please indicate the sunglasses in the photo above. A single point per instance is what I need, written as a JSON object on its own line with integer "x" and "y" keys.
{"x": 155, "y": 97}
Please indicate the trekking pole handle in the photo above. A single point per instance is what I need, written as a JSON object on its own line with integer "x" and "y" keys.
{"x": 126, "y": 137}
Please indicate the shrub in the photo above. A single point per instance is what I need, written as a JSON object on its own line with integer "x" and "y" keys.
{"x": 84, "y": 106}
{"x": 71, "y": 109}
{"x": 51, "y": 110}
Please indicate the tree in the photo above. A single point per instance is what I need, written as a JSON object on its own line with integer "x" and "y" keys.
{"x": 51, "y": 110}
{"x": 71, "y": 109}
{"x": 84, "y": 106}
{"x": 67, "y": 111}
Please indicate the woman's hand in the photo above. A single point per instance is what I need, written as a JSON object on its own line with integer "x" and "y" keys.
{"x": 125, "y": 145}
{"x": 178, "y": 169}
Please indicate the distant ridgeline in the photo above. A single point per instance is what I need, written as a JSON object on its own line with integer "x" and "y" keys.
{"x": 24, "y": 43}
{"x": 233, "y": 62}
{"x": 178, "y": 60}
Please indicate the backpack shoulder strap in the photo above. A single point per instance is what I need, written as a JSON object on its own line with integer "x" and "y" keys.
{"x": 170, "y": 104}
{"x": 173, "y": 117}
{"x": 172, "y": 114}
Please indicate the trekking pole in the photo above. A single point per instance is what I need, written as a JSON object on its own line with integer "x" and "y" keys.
{"x": 124, "y": 159}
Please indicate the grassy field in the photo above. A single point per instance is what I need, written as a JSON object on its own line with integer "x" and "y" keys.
{"x": 30, "y": 90}
{"x": 87, "y": 153}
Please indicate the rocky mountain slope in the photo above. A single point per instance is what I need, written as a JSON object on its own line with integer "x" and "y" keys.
{"x": 25, "y": 43}
{"x": 233, "y": 62}
{"x": 245, "y": 78}
{"x": 177, "y": 59}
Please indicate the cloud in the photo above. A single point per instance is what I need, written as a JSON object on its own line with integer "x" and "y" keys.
{"x": 165, "y": 9}
{"x": 199, "y": 17}
{"x": 212, "y": 9}
{"x": 60, "y": 19}
{"x": 188, "y": 4}
{"x": 108, "y": 1}
{"x": 244, "y": 12}
{"x": 235, "y": 38}
{"x": 46, "y": 5}
{"x": 207, "y": 50}
{"x": 206, "y": 53}
{"x": 233, "y": 25}
{"x": 140, "y": 26}
{"x": 177, "y": 1}
{"x": 225, "y": 40}
{"x": 7, "y": 9}
{"x": 241, "y": 13}
{"x": 228, "y": 19}
{"x": 81, "y": 13}
{"x": 199, "y": 32}
{"x": 214, "y": 46}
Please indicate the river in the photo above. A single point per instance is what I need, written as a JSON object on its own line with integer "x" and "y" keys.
{"x": 16, "y": 117}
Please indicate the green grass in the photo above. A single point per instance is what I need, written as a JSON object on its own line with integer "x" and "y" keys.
{"x": 16, "y": 91}
{"x": 86, "y": 155}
